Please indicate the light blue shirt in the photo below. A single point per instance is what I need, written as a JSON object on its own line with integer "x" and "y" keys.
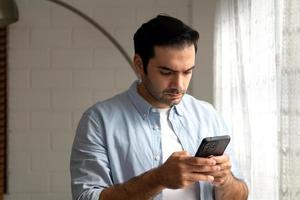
{"x": 120, "y": 138}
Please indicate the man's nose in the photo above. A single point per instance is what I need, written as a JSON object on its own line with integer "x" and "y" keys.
{"x": 177, "y": 82}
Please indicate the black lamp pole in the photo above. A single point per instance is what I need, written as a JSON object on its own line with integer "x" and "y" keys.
{"x": 8, "y": 15}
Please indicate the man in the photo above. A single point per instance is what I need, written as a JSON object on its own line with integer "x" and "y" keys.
{"x": 141, "y": 143}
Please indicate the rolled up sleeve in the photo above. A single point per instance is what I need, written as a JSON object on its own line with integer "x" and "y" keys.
{"x": 89, "y": 164}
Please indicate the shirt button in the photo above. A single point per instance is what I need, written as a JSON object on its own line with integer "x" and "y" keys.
{"x": 157, "y": 158}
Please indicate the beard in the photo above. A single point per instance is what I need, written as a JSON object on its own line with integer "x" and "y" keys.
{"x": 169, "y": 96}
{"x": 172, "y": 96}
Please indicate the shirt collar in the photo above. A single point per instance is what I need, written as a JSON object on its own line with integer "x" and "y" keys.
{"x": 142, "y": 106}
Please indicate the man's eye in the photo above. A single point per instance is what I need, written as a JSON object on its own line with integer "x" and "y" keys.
{"x": 165, "y": 73}
{"x": 188, "y": 72}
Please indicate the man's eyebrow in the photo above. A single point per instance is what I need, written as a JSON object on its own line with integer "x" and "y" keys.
{"x": 169, "y": 69}
{"x": 191, "y": 68}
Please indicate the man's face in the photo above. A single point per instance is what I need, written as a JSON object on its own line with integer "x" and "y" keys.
{"x": 168, "y": 75}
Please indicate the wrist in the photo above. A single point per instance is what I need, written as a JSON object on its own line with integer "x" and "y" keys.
{"x": 227, "y": 182}
{"x": 144, "y": 186}
{"x": 157, "y": 178}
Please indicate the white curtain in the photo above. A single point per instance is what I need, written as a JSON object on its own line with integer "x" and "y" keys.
{"x": 289, "y": 101}
{"x": 257, "y": 89}
{"x": 246, "y": 89}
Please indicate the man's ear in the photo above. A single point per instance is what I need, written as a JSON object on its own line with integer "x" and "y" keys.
{"x": 138, "y": 65}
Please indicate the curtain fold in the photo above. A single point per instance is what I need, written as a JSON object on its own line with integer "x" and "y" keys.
{"x": 289, "y": 99}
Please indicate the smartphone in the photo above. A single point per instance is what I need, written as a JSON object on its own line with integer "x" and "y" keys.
{"x": 213, "y": 146}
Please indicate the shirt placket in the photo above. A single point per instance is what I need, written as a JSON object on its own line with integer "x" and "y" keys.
{"x": 155, "y": 127}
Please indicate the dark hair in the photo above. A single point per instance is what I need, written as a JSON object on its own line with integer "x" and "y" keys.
{"x": 162, "y": 31}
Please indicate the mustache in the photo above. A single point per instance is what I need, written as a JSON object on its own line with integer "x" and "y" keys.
{"x": 174, "y": 91}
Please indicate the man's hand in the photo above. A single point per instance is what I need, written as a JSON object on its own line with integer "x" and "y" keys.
{"x": 224, "y": 175}
{"x": 182, "y": 170}
{"x": 227, "y": 187}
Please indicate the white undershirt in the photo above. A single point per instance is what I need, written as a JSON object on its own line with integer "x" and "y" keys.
{"x": 171, "y": 144}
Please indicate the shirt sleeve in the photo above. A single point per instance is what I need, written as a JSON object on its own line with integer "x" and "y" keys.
{"x": 89, "y": 164}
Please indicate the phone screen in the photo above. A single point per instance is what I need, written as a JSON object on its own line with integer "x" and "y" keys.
{"x": 213, "y": 146}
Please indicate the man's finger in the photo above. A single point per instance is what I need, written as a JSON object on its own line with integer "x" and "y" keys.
{"x": 221, "y": 159}
{"x": 201, "y": 161}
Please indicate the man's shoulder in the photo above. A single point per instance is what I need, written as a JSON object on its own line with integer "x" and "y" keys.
{"x": 114, "y": 100}
{"x": 110, "y": 104}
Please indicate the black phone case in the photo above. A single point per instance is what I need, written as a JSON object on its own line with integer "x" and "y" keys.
{"x": 213, "y": 146}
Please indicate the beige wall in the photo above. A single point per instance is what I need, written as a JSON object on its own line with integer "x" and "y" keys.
{"x": 203, "y": 21}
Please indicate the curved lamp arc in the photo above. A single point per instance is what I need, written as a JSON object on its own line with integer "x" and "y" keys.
{"x": 98, "y": 27}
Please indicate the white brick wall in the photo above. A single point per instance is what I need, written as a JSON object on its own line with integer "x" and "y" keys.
{"x": 58, "y": 66}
